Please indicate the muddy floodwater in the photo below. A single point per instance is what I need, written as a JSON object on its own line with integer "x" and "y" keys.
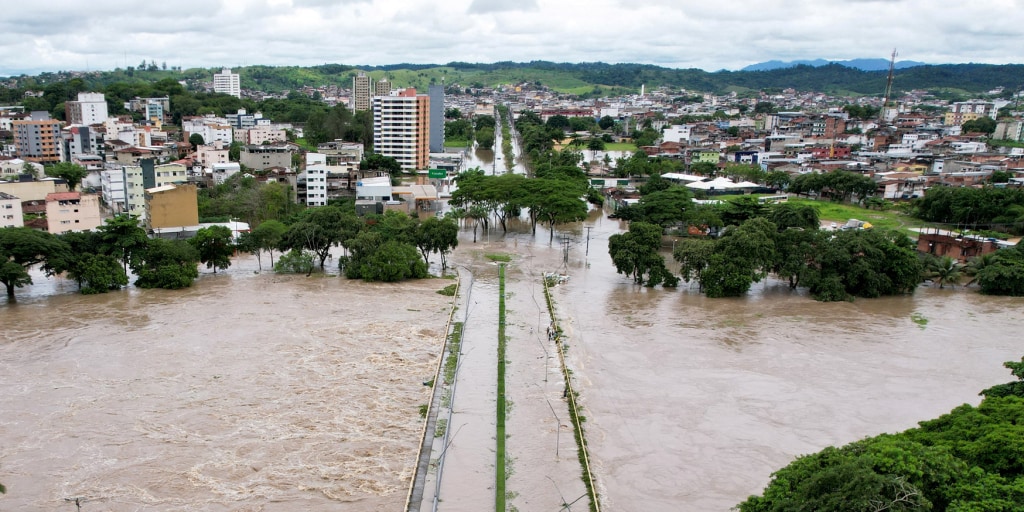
{"x": 264, "y": 392}
{"x": 245, "y": 392}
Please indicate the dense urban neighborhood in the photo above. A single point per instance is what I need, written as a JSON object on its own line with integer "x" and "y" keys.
{"x": 178, "y": 155}
{"x": 141, "y": 176}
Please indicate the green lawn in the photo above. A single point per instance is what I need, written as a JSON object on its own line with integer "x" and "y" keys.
{"x": 840, "y": 213}
{"x": 456, "y": 143}
{"x": 619, "y": 146}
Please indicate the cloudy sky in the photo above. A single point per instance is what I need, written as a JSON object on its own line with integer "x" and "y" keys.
{"x": 104, "y": 34}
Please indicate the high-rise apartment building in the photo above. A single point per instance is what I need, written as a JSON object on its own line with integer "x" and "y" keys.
{"x": 91, "y": 108}
{"x": 39, "y": 140}
{"x": 401, "y": 127}
{"x": 382, "y": 87}
{"x": 436, "y": 93}
{"x": 362, "y": 88}
{"x": 227, "y": 82}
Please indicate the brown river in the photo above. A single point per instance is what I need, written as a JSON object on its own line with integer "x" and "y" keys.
{"x": 263, "y": 392}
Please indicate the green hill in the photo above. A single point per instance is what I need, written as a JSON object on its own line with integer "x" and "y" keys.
{"x": 584, "y": 78}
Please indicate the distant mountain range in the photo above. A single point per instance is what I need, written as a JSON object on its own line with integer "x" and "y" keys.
{"x": 861, "y": 64}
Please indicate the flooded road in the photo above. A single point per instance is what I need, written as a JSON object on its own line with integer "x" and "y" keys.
{"x": 245, "y": 392}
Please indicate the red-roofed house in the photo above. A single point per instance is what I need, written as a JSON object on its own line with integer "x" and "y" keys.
{"x": 72, "y": 211}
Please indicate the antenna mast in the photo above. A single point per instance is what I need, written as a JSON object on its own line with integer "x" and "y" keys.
{"x": 888, "y": 87}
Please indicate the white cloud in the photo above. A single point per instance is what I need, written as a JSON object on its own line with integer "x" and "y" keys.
{"x": 101, "y": 34}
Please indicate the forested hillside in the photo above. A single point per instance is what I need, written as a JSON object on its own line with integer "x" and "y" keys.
{"x": 582, "y": 78}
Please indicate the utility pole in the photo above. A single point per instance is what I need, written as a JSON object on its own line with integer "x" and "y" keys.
{"x": 565, "y": 251}
{"x": 588, "y": 240}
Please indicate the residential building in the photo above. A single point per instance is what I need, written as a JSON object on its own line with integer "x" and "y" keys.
{"x": 91, "y": 108}
{"x": 72, "y": 211}
{"x": 1009, "y": 130}
{"x": 211, "y": 129}
{"x": 362, "y": 86}
{"x": 171, "y": 206}
{"x": 112, "y": 190}
{"x": 704, "y": 156}
{"x": 155, "y": 112}
{"x": 147, "y": 175}
{"x": 227, "y": 82}
{"x": 677, "y": 133}
{"x": 10, "y": 211}
{"x": 39, "y": 140}
{"x": 266, "y": 156}
{"x": 222, "y": 171}
{"x": 259, "y": 135}
{"x": 210, "y": 154}
{"x": 958, "y": 246}
{"x": 32, "y": 190}
{"x": 962, "y": 111}
{"x": 436, "y": 94}
{"x": 401, "y": 127}
{"x": 316, "y": 179}
{"x": 78, "y": 140}
{"x": 245, "y": 120}
{"x": 382, "y": 87}
{"x": 139, "y": 104}
{"x": 11, "y": 169}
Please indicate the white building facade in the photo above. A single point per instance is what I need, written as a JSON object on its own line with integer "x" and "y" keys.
{"x": 227, "y": 82}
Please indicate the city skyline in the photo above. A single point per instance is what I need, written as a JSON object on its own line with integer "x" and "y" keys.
{"x": 102, "y": 35}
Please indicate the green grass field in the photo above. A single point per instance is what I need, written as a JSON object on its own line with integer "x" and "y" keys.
{"x": 840, "y": 213}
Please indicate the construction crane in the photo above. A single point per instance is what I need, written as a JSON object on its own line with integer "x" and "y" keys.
{"x": 888, "y": 88}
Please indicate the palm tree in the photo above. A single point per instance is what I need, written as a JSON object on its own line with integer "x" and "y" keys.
{"x": 944, "y": 271}
{"x": 977, "y": 264}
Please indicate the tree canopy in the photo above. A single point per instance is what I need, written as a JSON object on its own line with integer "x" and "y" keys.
{"x": 966, "y": 460}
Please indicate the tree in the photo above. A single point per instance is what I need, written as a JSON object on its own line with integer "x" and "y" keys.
{"x": 864, "y": 263}
{"x": 71, "y": 173}
{"x": 452, "y": 113}
{"x": 196, "y": 140}
{"x": 295, "y": 261}
{"x": 704, "y": 169}
{"x": 485, "y": 138}
{"x": 437, "y": 235}
{"x": 393, "y": 261}
{"x": 741, "y": 257}
{"x": 99, "y": 273}
{"x": 983, "y": 124}
{"x": 943, "y": 270}
{"x": 266, "y": 237}
{"x": 318, "y": 230}
{"x": 693, "y": 255}
{"x": 606, "y": 122}
{"x": 215, "y": 247}
{"x": 785, "y": 216}
{"x": 635, "y": 254}
{"x": 169, "y": 264}
{"x": 20, "y": 249}
{"x": 122, "y": 238}
{"x": 1013, "y": 388}
{"x": 795, "y": 250}
{"x": 1004, "y": 273}
{"x": 965, "y": 460}
{"x": 664, "y": 207}
{"x": 89, "y": 263}
{"x": 556, "y": 201}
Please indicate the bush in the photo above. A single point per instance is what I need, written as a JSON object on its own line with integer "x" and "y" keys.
{"x": 295, "y": 262}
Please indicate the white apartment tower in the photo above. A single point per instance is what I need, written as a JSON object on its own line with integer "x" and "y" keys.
{"x": 401, "y": 127}
{"x": 227, "y": 82}
{"x": 91, "y": 108}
